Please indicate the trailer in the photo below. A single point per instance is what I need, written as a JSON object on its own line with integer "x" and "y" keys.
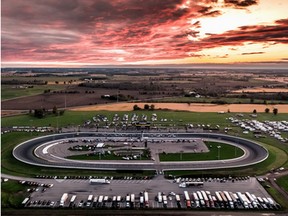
{"x": 271, "y": 202}
{"x": 206, "y": 199}
{"x": 243, "y": 200}
{"x": 95, "y": 200}
{"x": 141, "y": 200}
{"x": 132, "y": 200}
{"x": 118, "y": 200}
{"x": 188, "y": 184}
{"x": 128, "y": 201}
{"x": 177, "y": 197}
{"x": 63, "y": 199}
{"x": 199, "y": 195}
{"x": 212, "y": 204}
{"x": 90, "y": 198}
{"x": 159, "y": 197}
{"x": 201, "y": 199}
{"x": 72, "y": 200}
{"x": 165, "y": 202}
{"x": 99, "y": 181}
{"x": 187, "y": 199}
{"x": 218, "y": 196}
{"x": 248, "y": 195}
{"x": 204, "y": 196}
{"x": 229, "y": 199}
{"x": 260, "y": 199}
{"x": 100, "y": 200}
{"x": 194, "y": 194}
{"x": 233, "y": 197}
{"x": 225, "y": 201}
{"x": 146, "y": 199}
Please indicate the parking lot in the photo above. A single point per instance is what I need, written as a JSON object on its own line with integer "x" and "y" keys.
{"x": 128, "y": 192}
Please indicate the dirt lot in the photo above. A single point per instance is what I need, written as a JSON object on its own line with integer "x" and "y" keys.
{"x": 193, "y": 107}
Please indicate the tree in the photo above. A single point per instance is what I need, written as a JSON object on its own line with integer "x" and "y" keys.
{"x": 152, "y": 107}
{"x": 267, "y": 110}
{"x": 136, "y": 107}
{"x": 275, "y": 111}
{"x": 39, "y": 113}
{"x": 54, "y": 111}
{"x": 254, "y": 111}
{"x": 146, "y": 106}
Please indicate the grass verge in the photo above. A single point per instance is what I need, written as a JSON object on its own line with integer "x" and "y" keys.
{"x": 283, "y": 182}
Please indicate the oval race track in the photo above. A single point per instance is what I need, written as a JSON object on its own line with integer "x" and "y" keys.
{"x": 254, "y": 153}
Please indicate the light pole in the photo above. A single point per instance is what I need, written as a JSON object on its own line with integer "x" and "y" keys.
{"x": 31, "y": 120}
{"x": 181, "y": 152}
{"x": 219, "y": 147}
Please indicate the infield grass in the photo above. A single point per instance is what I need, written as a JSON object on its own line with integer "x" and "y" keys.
{"x": 224, "y": 152}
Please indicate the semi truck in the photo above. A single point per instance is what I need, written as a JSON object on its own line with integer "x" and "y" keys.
{"x": 132, "y": 200}
{"x": 89, "y": 200}
{"x": 63, "y": 199}
{"x": 165, "y": 202}
{"x": 99, "y": 181}
{"x": 159, "y": 197}
{"x": 187, "y": 199}
{"x": 146, "y": 199}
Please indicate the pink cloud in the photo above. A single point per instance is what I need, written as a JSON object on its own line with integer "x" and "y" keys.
{"x": 101, "y": 31}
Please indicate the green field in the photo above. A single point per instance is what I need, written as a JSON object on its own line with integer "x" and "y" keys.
{"x": 283, "y": 182}
{"x": 277, "y": 158}
{"x": 8, "y": 92}
{"x": 224, "y": 152}
{"x": 12, "y": 194}
{"x": 174, "y": 118}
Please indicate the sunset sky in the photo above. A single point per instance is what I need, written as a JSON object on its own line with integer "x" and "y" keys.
{"x": 81, "y": 33}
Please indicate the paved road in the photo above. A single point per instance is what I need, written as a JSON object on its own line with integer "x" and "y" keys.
{"x": 254, "y": 153}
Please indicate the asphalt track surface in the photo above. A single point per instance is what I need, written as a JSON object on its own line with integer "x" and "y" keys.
{"x": 254, "y": 153}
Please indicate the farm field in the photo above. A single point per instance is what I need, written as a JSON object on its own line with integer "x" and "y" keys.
{"x": 193, "y": 107}
{"x": 9, "y": 92}
{"x": 261, "y": 90}
{"x": 89, "y": 86}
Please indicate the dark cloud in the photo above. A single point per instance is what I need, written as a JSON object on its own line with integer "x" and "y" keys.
{"x": 102, "y": 30}
{"x": 240, "y": 3}
{"x": 252, "y": 53}
{"x": 255, "y": 34}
